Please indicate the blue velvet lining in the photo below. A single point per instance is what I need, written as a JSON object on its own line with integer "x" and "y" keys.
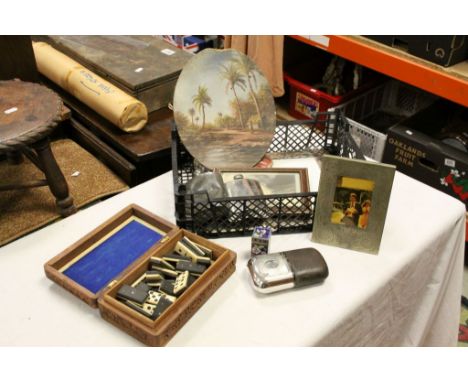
{"x": 95, "y": 270}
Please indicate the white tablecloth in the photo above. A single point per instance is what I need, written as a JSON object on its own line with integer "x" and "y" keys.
{"x": 409, "y": 294}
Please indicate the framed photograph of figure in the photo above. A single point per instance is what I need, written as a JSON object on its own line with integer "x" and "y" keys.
{"x": 271, "y": 181}
{"x": 352, "y": 203}
{"x": 274, "y": 182}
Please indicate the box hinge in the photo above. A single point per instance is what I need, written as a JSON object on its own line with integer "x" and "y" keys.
{"x": 164, "y": 239}
{"x": 112, "y": 283}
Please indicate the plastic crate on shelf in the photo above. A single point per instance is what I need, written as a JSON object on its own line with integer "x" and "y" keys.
{"x": 305, "y": 96}
{"x": 372, "y": 113}
{"x": 285, "y": 213}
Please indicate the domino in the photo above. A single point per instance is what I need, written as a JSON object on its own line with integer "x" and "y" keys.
{"x": 191, "y": 267}
{"x": 167, "y": 287}
{"x": 154, "y": 276}
{"x": 164, "y": 271}
{"x": 162, "y": 305}
{"x": 161, "y": 263}
{"x": 183, "y": 250}
{"x": 208, "y": 252}
{"x": 181, "y": 283}
{"x": 138, "y": 280}
{"x": 169, "y": 297}
{"x": 147, "y": 310}
{"x": 143, "y": 286}
{"x": 192, "y": 246}
{"x": 129, "y": 293}
{"x": 203, "y": 260}
{"x": 175, "y": 257}
{"x": 153, "y": 297}
{"x": 191, "y": 280}
{"x": 154, "y": 285}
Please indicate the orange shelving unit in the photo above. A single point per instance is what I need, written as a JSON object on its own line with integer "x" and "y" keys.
{"x": 450, "y": 83}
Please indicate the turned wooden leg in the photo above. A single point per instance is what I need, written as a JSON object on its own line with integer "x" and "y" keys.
{"x": 14, "y": 157}
{"x": 57, "y": 183}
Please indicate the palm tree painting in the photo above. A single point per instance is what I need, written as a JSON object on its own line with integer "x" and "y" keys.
{"x": 200, "y": 100}
{"x": 224, "y": 109}
{"x": 248, "y": 69}
{"x": 234, "y": 79}
{"x": 192, "y": 114}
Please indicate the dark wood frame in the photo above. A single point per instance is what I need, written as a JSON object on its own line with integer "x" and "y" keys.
{"x": 303, "y": 174}
{"x": 161, "y": 330}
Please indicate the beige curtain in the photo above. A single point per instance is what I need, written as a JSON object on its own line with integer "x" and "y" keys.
{"x": 266, "y": 52}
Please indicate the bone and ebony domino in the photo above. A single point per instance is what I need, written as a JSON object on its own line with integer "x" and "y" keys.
{"x": 191, "y": 267}
{"x": 161, "y": 263}
{"x": 166, "y": 272}
{"x": 127, "y": 292}
{"x": 192, "y": 246}
{"x": 166, "y": 279}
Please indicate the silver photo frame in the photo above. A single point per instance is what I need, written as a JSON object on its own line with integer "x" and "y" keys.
{"x": 352, "y": 203}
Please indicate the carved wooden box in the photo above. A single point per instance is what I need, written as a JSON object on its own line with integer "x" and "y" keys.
{"x": 118, "y": 252}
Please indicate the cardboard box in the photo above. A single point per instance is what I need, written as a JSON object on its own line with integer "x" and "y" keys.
{"x": 428, "y": 160}
{"x": 261, "y": 237}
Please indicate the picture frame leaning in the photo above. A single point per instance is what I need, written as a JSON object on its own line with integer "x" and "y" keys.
{"x": 352, "y": 203}
{"x": 273, "y": 181}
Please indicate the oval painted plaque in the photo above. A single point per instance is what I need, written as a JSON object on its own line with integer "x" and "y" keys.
{"x": 224, "y": 109}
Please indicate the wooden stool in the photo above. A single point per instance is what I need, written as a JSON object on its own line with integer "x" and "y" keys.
{"x": 28, "y": 114}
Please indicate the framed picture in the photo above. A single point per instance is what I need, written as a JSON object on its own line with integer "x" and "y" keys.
{"x": 272, "y": 181}
{"x": 352, "y": 203}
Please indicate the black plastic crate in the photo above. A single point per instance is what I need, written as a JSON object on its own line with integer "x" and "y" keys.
{"x": 285, "y": 213}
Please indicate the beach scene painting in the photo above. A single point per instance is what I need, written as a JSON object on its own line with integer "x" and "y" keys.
{"x": 224, "y": 109}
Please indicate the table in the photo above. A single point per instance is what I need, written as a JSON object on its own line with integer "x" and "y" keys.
{"x": 409, "y": 294}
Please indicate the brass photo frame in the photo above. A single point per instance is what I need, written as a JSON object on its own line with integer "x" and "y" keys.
{"x": 352, "y": 203}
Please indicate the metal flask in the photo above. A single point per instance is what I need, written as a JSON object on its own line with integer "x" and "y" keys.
{"x": 297, "y": 268}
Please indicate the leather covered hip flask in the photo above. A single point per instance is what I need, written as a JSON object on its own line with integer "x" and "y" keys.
{"x": 286, "y": 270}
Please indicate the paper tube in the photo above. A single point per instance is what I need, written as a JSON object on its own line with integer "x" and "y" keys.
{"x": 124, "y": 111}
